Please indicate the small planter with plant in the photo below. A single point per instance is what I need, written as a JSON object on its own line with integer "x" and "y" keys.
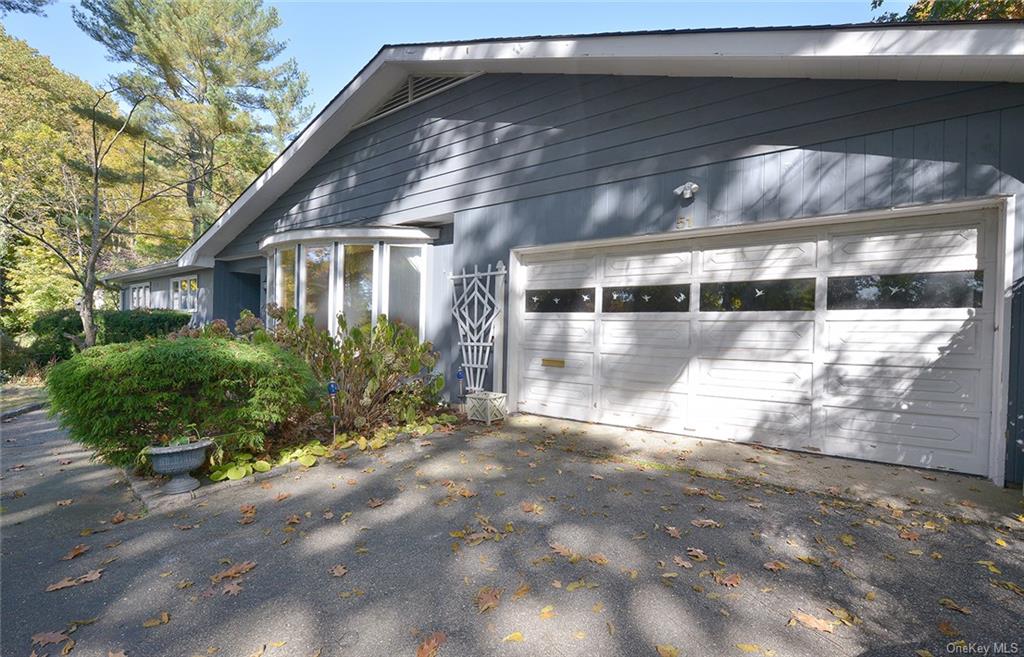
{"x": 176, "y": 457}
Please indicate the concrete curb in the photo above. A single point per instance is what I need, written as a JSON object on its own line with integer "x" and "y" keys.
{"x": 148, "y": 490}
{"x": 21, "y": 410}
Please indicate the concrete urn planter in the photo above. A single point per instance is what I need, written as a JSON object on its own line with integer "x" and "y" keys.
{"x": 177, "y": 461}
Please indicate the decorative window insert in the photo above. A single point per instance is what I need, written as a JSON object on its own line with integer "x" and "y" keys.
{"x": 788, "y": 294}
{"x": 952, "y": 289}
{"x": 286, "y": 290}
{"x": 138, "y": 296}
{"x": 185, "y": 293}
{"x": 647, "y": 299}
{"x": 575, "y": 300}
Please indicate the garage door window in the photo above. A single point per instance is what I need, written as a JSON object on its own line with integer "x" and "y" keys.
{"x": 575, "y": 300}
{"x": 955, "y": 289}
{"x": 789, "y": 294}
{"x": 647, "y": 299}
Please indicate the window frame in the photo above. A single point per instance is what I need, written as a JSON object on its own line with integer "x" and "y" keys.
{"x": 385, "y": 300}
{"x": 139, "y": 288}
{"x": 171, "y": 293}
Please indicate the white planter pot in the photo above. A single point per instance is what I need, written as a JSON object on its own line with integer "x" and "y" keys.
{"x": 485, "y": 406}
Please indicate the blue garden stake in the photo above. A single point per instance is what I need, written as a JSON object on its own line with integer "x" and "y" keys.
{"x": 460, "y": 376}
{"x": 332, "y": 390}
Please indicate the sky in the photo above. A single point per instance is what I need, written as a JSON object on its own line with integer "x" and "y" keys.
{"x": 332, "y": 40}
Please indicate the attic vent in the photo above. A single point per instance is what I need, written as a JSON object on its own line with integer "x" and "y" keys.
{"x": 415, "y": 88}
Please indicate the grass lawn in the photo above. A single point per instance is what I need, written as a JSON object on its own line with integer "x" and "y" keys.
{"x": 14, "y": 395}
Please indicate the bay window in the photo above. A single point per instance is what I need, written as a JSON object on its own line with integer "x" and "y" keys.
{"x": 360, "y": 273}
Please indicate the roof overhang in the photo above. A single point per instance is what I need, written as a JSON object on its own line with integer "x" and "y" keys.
{"x": 351, "y": 235}
{"x": 990, "y": 51}
{"x": 166, "y": 268}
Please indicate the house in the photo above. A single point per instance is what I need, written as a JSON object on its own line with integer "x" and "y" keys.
{"x": 803, "y": 236}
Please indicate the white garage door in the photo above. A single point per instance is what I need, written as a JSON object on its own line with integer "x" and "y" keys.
{"x": 869, "y": 340}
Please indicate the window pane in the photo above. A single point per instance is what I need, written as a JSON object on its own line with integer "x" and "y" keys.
{"x": 318, "y": 276}
{"x": 577, "y": 300}
{"x": 955, "y": 289}
{"x": 647, "y": 299}
{"x": 792, "y": 294}
{"x": 286, "y": 278}
{"x": 358, "y": 284}
{"x": 406, "y": 267}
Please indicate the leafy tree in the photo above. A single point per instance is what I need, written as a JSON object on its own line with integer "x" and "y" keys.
{"x": 23, "y": 7}
{"x": 217, "y": 89}
{"x": 44, "y": 154}
{"x": 76, "y": 174}
{"x": 952, "y": 10}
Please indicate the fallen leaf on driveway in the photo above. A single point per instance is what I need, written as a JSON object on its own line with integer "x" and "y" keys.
{"x": 681, "y": 562}
{"x": 163, "y": 619}
{"x": 81, "y": 548}
{"x": 598, "y": 558}
{"x": 775, "y": 566}
{"x": 118, "y": 518}
{"x": 46, "y": 638}
{"x": 231, "y": 588}
{"x": 810, "y": 561}
{"x": 705, "y": 522}
{"x": 515, "y": 636}
{"x": 68, "y": 647}
{"x": 730, "y": 581}
{"x": 292, "y": 520}
{"x": 845, "y": 617}
{"x": 531, "y": 507}
{"x": 547, "y": 612}
{"x": 119, "y": 653}
{"x": 281, "y": 497}
{"x": 666, "y": 650}
{"x": 67, "y": 582}
{"x": 374, "y": 502}
{"x": 487, "y": 598}
{"x": 431, "y": 645}
{"x": 949, "y": 604}
{"x": 749, "y": 647}
{"x": 810, "y": 622}
{"x": 235, "y": 570}
{"x": 947, "y": 629}
{"x": 696, "y": 554}
{"x": 67, "y": 502}
{"x": 909, "y": 535}
{"x": 338, "y": 571}
{"x": 672, "y": 531}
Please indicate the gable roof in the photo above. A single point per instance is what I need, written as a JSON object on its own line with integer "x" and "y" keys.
{"x": 975, "y": 51}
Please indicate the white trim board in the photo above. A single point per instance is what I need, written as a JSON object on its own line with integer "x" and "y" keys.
{"x": 1001, "y": 288}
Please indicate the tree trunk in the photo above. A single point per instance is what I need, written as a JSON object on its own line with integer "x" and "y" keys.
{"x": 86, "y": 313}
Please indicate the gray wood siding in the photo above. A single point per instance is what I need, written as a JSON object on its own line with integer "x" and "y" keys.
{"x": 600, "y": 154}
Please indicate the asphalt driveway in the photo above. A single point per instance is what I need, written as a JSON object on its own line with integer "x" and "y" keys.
{"x": 569, "y": 551}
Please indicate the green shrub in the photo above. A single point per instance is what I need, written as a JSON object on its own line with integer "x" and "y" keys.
{"x": 14, "y": 358}
{"x": 384, "y": 373}
{"x": 119, "y": 398}
{"x": 112, "y": 326}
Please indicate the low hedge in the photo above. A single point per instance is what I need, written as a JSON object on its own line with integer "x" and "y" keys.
{"x": 112, "y": 326}
{"x": 117, "y": 398}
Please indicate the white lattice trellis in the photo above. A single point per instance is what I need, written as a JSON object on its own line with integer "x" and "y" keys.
{"x": 477, "y": 307}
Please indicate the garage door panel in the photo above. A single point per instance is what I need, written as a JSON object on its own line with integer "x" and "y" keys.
{"x": 915, "y": 250}
{"x": 776, "y": 423}
{"x": 932, "y": 390}
{"x": 947, "y": 343}
{"x": 552, "y": 333}
{"x": 563, "y": 272}
{"x": 648, "y": 408}
{"x": 556, "y": 398}
{"x": 756, "y": 379}
{"x": 761, "y": 338}
{"x": 666, "y": 267}
{"x": 640, "y": 336}
{"x": 912, "y": 439}
{"x": 662, "y": 372}
{"x": 780, "y": 260}
{"x": 558, "y": 365}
